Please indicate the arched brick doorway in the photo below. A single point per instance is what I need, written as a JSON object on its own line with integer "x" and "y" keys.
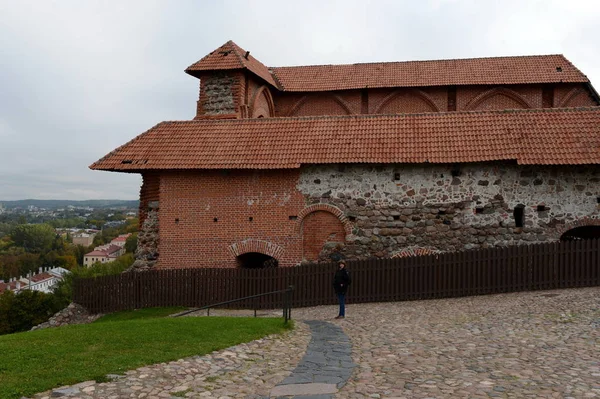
{"x": 318, "y": 229}
{"x": 581, "y": 233}
{"x": 256, "y": 260}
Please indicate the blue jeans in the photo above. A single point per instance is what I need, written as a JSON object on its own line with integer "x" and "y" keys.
{"x": 342, "y": 300}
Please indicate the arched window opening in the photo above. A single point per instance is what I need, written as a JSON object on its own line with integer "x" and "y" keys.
{"x": 581, "y": 233}
{"x": 256, "y": 260}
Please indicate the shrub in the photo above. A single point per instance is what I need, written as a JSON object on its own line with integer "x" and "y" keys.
{"x": 20, "y": 312}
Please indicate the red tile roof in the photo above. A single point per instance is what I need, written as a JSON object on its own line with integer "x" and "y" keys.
{"x": 231, "y": 56}
{"x": 472, "y": 71}
{"x": 551, "y": 137}
{"x": 107, "y": 250}
{"x": 36, "y": 278}
{"x": 12, "y": 286}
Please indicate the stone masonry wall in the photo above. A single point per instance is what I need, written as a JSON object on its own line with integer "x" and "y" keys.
{"x": 394, "y": 207}
{"x": 218, "y": 94}
{"x": 146, "y": 254}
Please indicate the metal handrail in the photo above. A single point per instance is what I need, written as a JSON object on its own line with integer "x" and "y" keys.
{"x": 287, "y": 303}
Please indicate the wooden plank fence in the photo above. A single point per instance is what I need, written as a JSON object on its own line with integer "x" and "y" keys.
{"x": 477, "y": 272}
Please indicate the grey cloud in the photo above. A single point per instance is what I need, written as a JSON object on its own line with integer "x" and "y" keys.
{"x": 78, "y": 79}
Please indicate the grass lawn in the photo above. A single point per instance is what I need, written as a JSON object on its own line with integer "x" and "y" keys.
{"x": 147, "y": 313}
{"x": 36, "y": 361}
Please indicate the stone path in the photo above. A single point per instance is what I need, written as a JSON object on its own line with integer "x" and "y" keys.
{"x": 543, "y": 344}
{"x": 325, "y": 367}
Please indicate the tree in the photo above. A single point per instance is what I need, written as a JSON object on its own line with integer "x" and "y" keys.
{"x": 34, "y": 237}
{"x": 28, "y": 263}
{"x": 131, "y": 243}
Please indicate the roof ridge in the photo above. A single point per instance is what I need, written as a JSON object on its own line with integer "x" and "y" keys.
{"x": 427, "y": 60}
{"x": 239, "y": 56}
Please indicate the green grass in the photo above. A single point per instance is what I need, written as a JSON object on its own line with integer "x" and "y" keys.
{"x": 39, "y": 360}
{"x": 147, "y": 313}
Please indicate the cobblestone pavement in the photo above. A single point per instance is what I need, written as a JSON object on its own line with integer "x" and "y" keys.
{"x": 521, "y": 345}
{"x": 543, "y": 344}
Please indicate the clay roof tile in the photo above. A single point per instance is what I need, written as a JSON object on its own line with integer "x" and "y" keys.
{"x": 557, "y": 136}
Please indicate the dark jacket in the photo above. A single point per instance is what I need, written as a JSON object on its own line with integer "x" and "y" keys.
{"x": 341, "y": 281}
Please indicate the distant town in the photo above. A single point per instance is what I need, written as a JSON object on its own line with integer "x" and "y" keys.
{"x": 41, "y": 211}
{"x": 79, "y": 233}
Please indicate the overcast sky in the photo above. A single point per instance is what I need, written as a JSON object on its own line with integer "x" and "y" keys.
{"x": 80, "y": 78}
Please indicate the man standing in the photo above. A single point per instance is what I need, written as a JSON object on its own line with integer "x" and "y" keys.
{"x": 341, "y": 281}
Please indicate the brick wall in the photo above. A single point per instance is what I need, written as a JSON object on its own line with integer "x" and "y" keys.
{"x": 191, "y": 201}
{"x": 431, "y": 99}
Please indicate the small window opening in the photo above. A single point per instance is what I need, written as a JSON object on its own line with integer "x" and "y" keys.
{"x": 396, "y": 217}
{"x": 396, "y": 176}
{"x": 441, "y": 212}
{"x": 558, "y": 69}
{"x": 250, "y": 218}
{"x": 541, "y": 208}
{"x": 215, "y": 220}
{"x": 518, "y": 213}
{"x": 479, "y": 210}
{"x": 293, "y": 217}
{"x": 455, "y": 171}
{"x": 598, "y": 200}
{"x": 353, "y": 218}
{"x": 177, "y": 220}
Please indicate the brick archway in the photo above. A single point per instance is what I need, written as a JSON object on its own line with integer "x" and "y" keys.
{"x": 559, "y": 231}
{"x": 337, "y": 212}
{"x": 262, "y": 92}
{"x": 259, "y": 246}
{"x": 321, "y": 225}
{"x": 413, "y": 92}
{"x": 570, "y": 96}
{"x": 336, "y": 99}
{"x": 498, "y": 91}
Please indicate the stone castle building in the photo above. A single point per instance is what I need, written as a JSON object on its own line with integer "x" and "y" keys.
{"x": 287, "y": 164}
